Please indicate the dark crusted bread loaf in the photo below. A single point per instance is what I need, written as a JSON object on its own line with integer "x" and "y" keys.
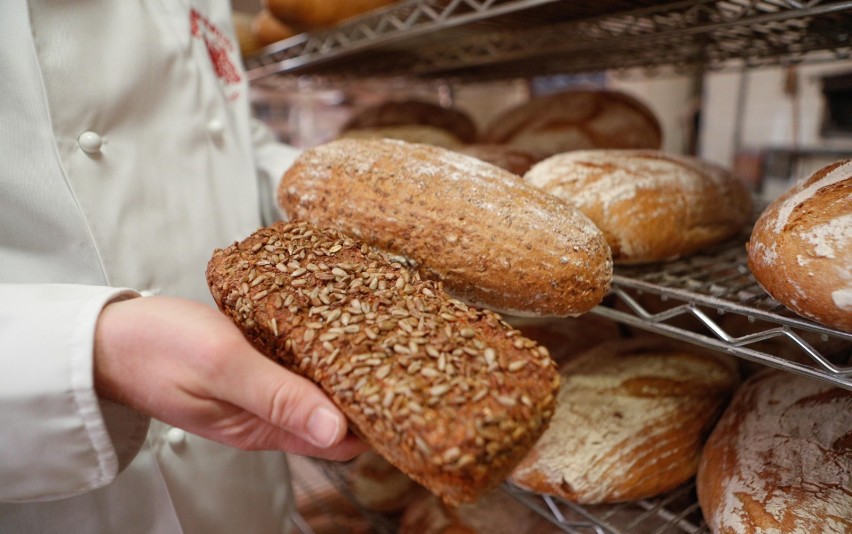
{"x": 801, "y": 247}
{"x": 650, "y": 206}
{"x": 415, "y": 112}
{"x": 451, "y": 395}
{"x": 576, "y": 120}
{"x": 630, "y": 421}
{"x": 492, "y": 239}
{"x": 780, "y": 459}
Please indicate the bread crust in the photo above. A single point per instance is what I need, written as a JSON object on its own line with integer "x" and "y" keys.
{"x": 650, "y": 206}
{"x": 512, "y": 159}
{"x": 268, "y": 29}
{"x": 450, "y": 395}
{"x": 780, "y": 459}
{"x": 577, "y": 120}
{"x": 800, "y": 249}
{"x": 411, "y": 133}
{"x": 492, "y": 239}
{"x": 415, "y": 112}
{"x": 314, "y": 14}
{"x": 630, "y": 421}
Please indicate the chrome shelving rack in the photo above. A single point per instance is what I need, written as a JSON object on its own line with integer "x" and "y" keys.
{"x": 488, "y": 39}
{"x": 709, "y": 299}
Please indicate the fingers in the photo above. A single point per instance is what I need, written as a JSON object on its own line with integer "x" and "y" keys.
{"x": 284, "y": 399}
{"x": 274, "y": 438}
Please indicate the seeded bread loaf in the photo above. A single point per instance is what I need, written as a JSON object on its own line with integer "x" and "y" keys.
{"x": 314, "y": 14}
{"x": 492, "y": 239}
{"x": 801, "y": 247}
{"x": 415, "y": 112}
{"x": 631, "y": 418}
{"x": 650, "y": 206}
{"x": 780, "y": 459}
{"x": 576, "y": 120}
{"x": 449, "y": 394}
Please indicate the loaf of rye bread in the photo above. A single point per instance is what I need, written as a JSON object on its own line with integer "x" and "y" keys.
{"x": 631, "y": 418}
{"x": 576, "y": 120}
{"x": 490, "y": 238}
{"x": 780, "y": 459}
{"x": 450, "y": 395}
{"x": 801, "y": 247}
{"x": 415, "y": 112}
{"x": 650, "y": 206}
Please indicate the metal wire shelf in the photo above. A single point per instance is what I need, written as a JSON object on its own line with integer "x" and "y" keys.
{"x": 487, "y": 39}
{"x": 675, "y": 512}
{"x": 699, "y": 299}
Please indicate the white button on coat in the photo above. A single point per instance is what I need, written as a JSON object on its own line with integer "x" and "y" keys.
{"x": 216, "y": 127}
{"x": 90, "y": 142}
{"x": 175, "y": 437}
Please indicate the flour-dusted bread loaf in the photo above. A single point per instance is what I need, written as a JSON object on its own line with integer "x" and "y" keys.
{"x": 577, "y": 120}
{"x": 801, "y": 247}
{"x": 415, "y": 112}
{"x": 650, "y": 206}
{"x": 315, "y": 14}
{"x": 631, "y": 418}
{"x": 491, "y": 238}
{"x": 780, "y": 459}
{"x": 449, "y": 394}
{"x": 410, "y": 133}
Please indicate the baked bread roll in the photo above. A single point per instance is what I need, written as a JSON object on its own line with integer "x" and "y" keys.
{"x": 378, "y": 486}
{"x": 512, "y": 159}
{"x": 491, "y": 239}
{"x": 268, "y": 29}
{"x": 449, "y": 394}
{"x": 576, "y": 120}
{"x": 650, "y": 206}
{"x": 630, "y": 421}
{"x": 801, "y": 247}
{"x": 495, "y": 513}
{"x": 415, "y": 112}
{"x": 411, "y": 133}
{"x": 314, "y": 14}
{"x": 780, "y": 459}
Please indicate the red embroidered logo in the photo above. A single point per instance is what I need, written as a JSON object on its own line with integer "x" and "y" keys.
{"x": 219, "y": 46}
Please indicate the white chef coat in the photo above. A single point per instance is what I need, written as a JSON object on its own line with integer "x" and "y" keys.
{"x": 126, "y": 156}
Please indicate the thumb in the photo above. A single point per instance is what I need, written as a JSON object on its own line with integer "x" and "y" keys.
{"x": 284, "y": 399}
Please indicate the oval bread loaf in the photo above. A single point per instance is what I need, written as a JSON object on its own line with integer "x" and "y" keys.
{"x": 800, "y": 249}
{"x": 650, "y": 206}
{"x": 313, "y": 14}
{"x": 450, "y": 395}
{"x": 492, "y": 239}
{"x": 631, "y": 418}
{"x": 576, "y": 120}
{"x": 415, "y": 112}
{"x": 780, "y": 459}
{"x": 410, "y": 133}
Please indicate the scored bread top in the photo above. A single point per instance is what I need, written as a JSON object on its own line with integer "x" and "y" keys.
{"x": 451, "y": 395}
{"x": 650, "y": 206}
{"x": 492, "y": 239}
{"x": 801, "y": 247}
{"x": 780, "y": 459}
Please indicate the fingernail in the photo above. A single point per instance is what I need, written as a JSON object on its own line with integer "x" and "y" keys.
{"x": 323, "y": 427}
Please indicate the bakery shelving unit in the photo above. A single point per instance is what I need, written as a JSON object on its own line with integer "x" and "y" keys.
{"x": 709, "y": 299}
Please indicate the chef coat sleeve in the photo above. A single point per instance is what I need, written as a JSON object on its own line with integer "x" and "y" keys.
{"x": 272, "y": 158}
{"x": 57, "y": 438}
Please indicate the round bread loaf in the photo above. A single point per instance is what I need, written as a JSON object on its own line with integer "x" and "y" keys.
{"x": 780, "y": 459}
{"x": 631, "y": 418}
{"x": 268, "y": 29}
{"x": 450, "y": 395}
{"x": 415, "y": 112}
{"x": 576, "y": 120}
{"x": 801, "y": 247}
{"x": 512, "y": 159}
{"x": 650, "y": 206}
{"x": 313, "y": 14}
{"x": 411, "y": 133}
{"x": 246, "y": 39}
{"x": 491, "y": 238}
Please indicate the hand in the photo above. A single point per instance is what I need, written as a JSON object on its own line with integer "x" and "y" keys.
{"x": 188, "y": 365}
